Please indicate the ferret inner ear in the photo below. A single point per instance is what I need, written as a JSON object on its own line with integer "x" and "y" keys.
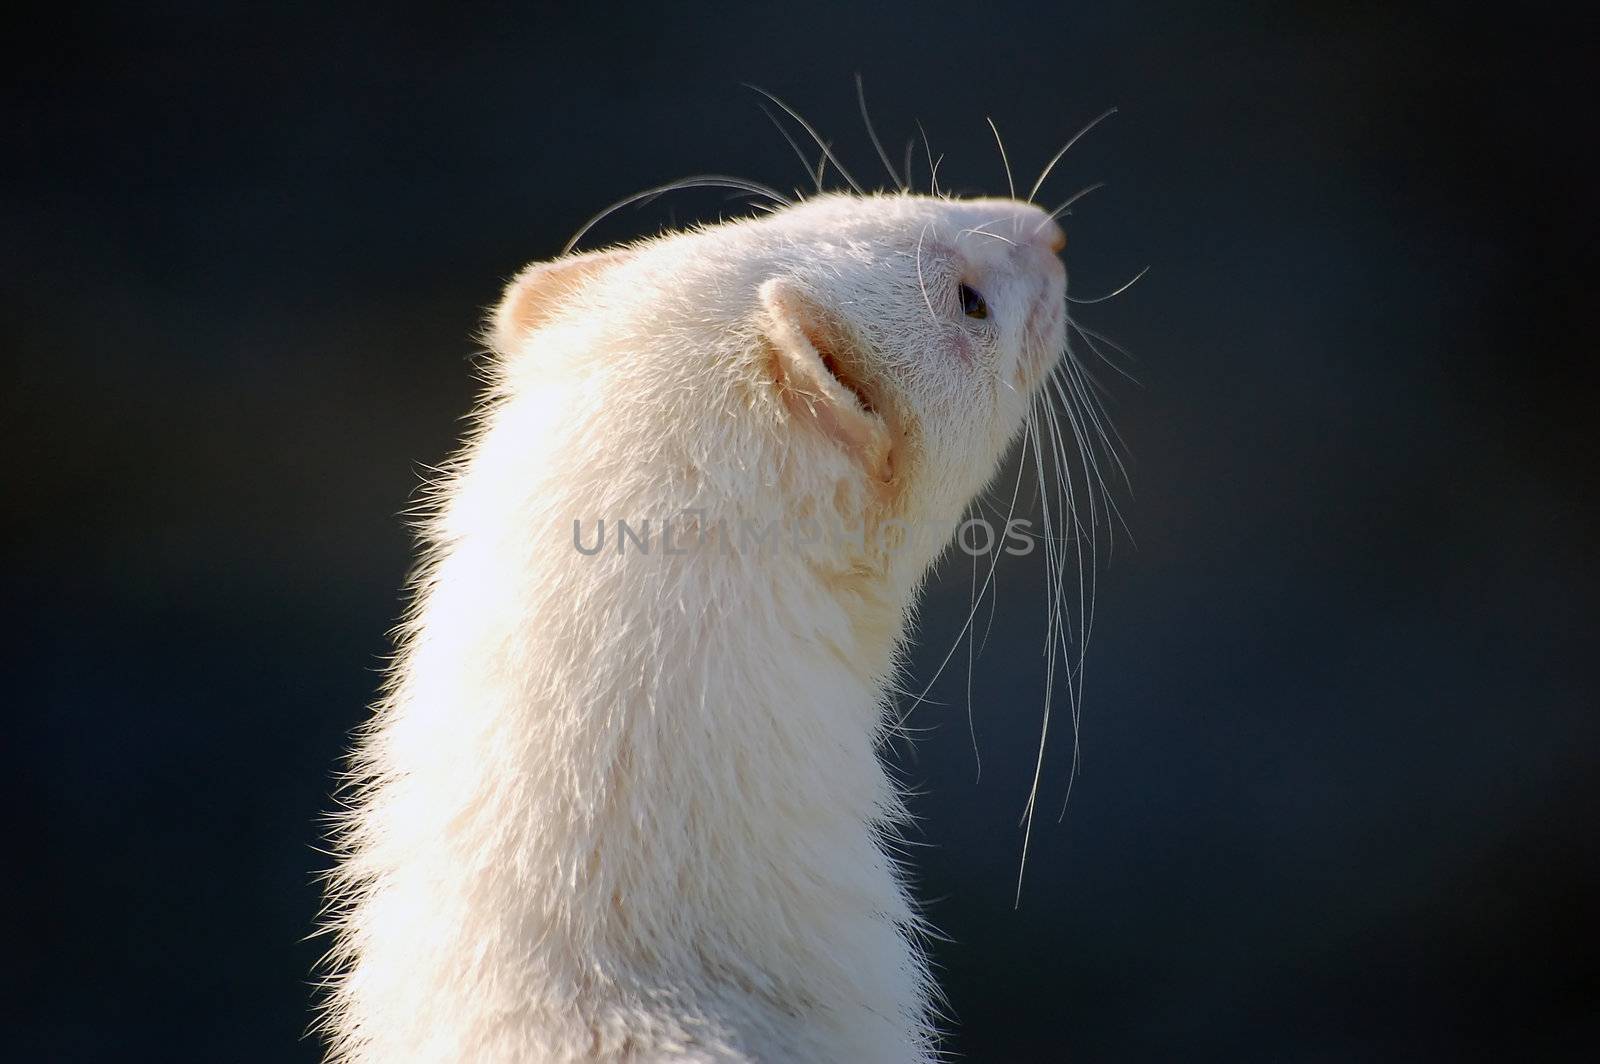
{"x": 535, "y": 294}
{"x": 815, "y": 368}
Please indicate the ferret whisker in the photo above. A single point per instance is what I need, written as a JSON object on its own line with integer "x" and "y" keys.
{"x": 910, "y": 732}
{"x": 910, "y": 145}
{"x": 1112, "y": 294}
{"x": 1082, "y": 416}
{"x": 993, "y": 236}
{"x": 1011, "y": 186}
{"x": 697, "y": 181}
{"x": 1044, "y": 724}
{"x": 872, "y": 134}
{"x": 1056, "y": 158}
{"x": 1091, "y": 462}
{"x": 1088, "y": 333}
{"x": 827, "y": 152}
{"x": 972, "y": 724}
{"x": 1085, "y": 574}
{"x": 1059, "y": 211}
{"x": 1087, "y": 577}
{"x": 921, "y": 283}
{"x": 933, "y": 167}
{"x": 822, "y": 167}
{"x": 1093, "y": 402}
{"x": 1090, "y": 338}
{"x": 983, "y": 230}
{"x": 1098, "y": 390}
{"x": 1093, "y": 412}
{"x": 1110, "y": 438}
{"x": 1093, "y": 481}
{"x": 1067, "y": 500}
{"x": 805, "y": 163}
{"x": 901, "y": 689}
{"x": 1066, "y": 519}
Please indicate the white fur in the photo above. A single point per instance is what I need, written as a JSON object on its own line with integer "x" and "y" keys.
{"x": 628, "y": 808}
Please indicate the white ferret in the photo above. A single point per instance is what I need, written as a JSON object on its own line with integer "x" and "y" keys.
{"x": 623, "y": 802}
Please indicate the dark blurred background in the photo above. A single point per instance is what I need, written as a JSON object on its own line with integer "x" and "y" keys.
{"x": 1338, "y": 793}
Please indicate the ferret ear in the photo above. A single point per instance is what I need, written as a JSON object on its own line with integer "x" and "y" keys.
{"x": 534, "y": 294}
{"x": 815, "y": 367}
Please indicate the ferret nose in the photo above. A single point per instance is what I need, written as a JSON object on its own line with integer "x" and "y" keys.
{"x": 1053, "y": 236}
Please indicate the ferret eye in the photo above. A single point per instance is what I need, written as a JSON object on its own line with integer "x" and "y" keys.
{"x": 972, "y": 303}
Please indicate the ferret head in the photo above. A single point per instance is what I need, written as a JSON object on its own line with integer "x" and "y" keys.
{"x": 856, "y": 359}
